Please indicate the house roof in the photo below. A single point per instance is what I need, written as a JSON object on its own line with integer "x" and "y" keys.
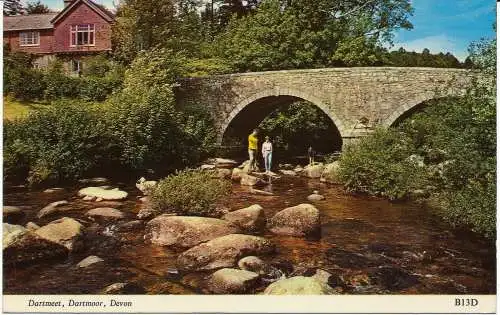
{"x": 28, "y": 22}
{"x": 103, "y": 12}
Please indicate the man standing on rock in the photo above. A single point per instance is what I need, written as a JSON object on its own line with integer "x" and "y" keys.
{"x": 253, "y": 143}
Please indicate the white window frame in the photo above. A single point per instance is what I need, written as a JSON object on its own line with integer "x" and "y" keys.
{"x": 76, "y": 29}
{"x": 30, "y": 38}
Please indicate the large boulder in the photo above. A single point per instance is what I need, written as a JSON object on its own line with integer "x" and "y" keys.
{"x": 109, "y": 213}
{"x": 52, "y": 208}
{"x": 298, "y": 286}
{"x": 331, "y": 173}
{"x": 65, "y": 231}
{"x": 314, "y": 171}
{"x": 23, "y": 246}
{"x": 230, "y": 281}
{"x": 301, "y": 220}
{"x": 104, "y": 194}
{"x": 250, "y": 219}
{"x": 224, "y": 251}
{"x": 184, "y": 231}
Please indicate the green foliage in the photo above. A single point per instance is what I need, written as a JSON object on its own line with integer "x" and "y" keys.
{"x": 20, "y": 79}
{"x": 59, "y": 85}
{"x": 381, "y": 165}
{"x": 455, "y": 137}
{"x": 403, "y": 58}
{"x": 296, "y": 127}
{"x": 190, "y": 193}
{"x": 63, "y": 141}
{"x": 36, "y": 8}
{"x": 12, "y": 7}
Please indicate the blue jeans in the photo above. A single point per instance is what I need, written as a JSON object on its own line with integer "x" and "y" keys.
{"x": 267, "y": 160}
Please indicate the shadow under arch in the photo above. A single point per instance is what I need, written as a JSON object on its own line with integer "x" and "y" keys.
{"x": 258, "y": 100}
{"x": 249, "y": 113}
{"x": 413, "y": 106}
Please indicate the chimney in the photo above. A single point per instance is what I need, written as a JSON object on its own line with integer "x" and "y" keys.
{"x": 67, "y": 2}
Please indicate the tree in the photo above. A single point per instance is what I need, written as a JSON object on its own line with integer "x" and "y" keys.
{"x": 12, "y": 7}
{"x": 297, "y": 34}
{"x": 37, "y": 8}
{"x": 144, "y": 24}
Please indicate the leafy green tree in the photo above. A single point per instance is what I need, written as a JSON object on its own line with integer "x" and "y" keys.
{"x": 300, "y": 34}
{"x": 36, "y": 8}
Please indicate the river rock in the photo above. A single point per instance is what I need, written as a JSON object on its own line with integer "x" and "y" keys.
{"x": 286, "y": 166}
{"x": 89, "y": 198}
{"x": 330, "y": 173}
{"x": 89, "y": 261}
{"x": 53, "y": 190}
{"x": 223, "y": 173}
{"x": 145, "y": 186}
{"x": 32, "y": 226}
{"x": 298, "y": 286}
{"x": 314, "y": 171}
{"x": 51, "y": 208}
{"x": 109, "y": 213}
{"x": 12, "y": 213}
{"x": 224, "y": 251}
{"x": 131, "y": 225}
{"x": 224, "y": 163}
{"x": 146, "y": 210}
{"x": 23, "y": 246}
{"x": 206, "y": 167}
{"x": 236, "y": 174}
{"x": 301, "y": 220}
{"x": 231, "y": 281}
{"x": 260, "y": 192}
{"x": 315, "y": 197}
{"x": 186, "y": 231}
{"x": 254, "y": 264}
{"x": 124, "y": 288}
{"x": 288, "y": 172}
{"x": 65, "y": 231}
{"x": 299, "y": 169}
{"x": 249, "y": 219}
{"x": 393, "y": 278}
{"x": 250, "y": 180}
{"x": 105, "y": 194}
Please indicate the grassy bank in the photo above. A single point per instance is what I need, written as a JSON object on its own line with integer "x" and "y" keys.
{"x": 13, "y": 108}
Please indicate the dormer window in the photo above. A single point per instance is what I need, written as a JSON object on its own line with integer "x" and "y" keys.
{"x": 82, "y": 35}
{"x": 29, "y": 39}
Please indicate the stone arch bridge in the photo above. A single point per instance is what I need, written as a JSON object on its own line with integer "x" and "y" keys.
{"x": 355, "y": 99}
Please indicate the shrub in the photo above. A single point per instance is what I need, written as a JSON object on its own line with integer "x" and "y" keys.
{"x": 380, "y": 164}
{"x": 20, "y": 79}
{"x": 64, "y": 141}
{"x": 190, "y": 193}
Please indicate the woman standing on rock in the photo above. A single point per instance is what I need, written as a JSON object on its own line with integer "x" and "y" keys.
{"x": 267, "y": 153}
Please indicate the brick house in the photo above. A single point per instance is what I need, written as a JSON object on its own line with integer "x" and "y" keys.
{"x": 82, "y": 28}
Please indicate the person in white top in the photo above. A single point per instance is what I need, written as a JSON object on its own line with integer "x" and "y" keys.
{"x": 267, "y": 153}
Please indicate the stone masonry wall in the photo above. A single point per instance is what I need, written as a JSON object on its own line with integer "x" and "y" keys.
{"x": 356, "y": 99}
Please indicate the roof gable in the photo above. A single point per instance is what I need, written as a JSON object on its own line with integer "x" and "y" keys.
{"x": 105, "y": 14}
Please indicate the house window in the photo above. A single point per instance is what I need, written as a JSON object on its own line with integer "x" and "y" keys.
{"x": 29, "y": 38}
{"x": 82, "y": 35}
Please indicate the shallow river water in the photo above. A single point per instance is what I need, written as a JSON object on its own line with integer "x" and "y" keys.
{"x": 370, "y": 245}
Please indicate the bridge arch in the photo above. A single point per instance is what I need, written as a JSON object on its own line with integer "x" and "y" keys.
{"x": 284, "y": 93}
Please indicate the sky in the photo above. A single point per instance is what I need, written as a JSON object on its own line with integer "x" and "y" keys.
{"x": 439, "y": 25}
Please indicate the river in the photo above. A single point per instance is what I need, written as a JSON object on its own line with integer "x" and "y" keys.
{"x": 370, "y": 245}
